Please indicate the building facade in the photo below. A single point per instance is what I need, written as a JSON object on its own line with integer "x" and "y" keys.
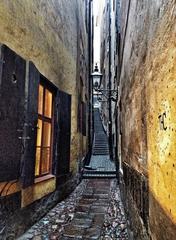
{"x": 145, "y": 122}
{"x": 44, "y": 102}
{"x": 109, "y": 65}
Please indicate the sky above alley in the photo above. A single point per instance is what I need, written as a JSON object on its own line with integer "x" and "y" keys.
{"x": 98, "y": 6}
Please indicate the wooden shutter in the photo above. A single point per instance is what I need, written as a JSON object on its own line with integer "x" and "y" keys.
{"x": 30, "y": 127}
{"x": 12, "y": 96}
{"x": 64, "y": 125}
{"x": 55, "y": 133}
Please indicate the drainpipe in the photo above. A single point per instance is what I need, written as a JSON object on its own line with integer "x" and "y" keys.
{"x": 109, "y": 98}
{"x": 90, "y": 58}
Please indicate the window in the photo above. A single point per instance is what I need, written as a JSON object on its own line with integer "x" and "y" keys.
{"x": 44, "y": 131}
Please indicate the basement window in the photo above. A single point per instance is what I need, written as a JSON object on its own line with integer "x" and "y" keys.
{"x": 44, "y": 131}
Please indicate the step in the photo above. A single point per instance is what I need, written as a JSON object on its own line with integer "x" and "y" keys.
{"x": 86, "y": 176}
{"x": 101, "y": 137}
{"x": 100, "y": 150}
{"x": 99, "y": 172}
{"x": 102, "y": 154}
{"x": 101, "y": 143}
{"x": 101, "y": 146}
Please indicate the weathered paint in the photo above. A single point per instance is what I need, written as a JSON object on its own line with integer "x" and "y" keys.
{"x": 37, "y": 191}
{"x": 147, "y": 90}
{"x": 7, "y": 188}
{"x": 161, "y": 92}
{"x": 41, "y": 188}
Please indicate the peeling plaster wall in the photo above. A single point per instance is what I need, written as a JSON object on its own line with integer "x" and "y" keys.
{"x": 46, "y": 32}
{"x": 147, "y": 90}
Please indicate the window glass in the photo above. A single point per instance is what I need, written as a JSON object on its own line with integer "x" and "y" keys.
{"x": 39, "y": 133}
{"x": 40, "y": 99}
{"x": 45, "y": 160}
{"x": 48, "y": 104}
{"x": 37, "y": 161}
{"x": 46, "y": 134}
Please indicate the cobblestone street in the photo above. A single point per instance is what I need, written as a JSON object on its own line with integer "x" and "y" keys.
{"x": 93, "y": 211}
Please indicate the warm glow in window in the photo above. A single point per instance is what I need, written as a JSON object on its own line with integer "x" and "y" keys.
{"x": 44, "y": 132}
{"x": 39, "y": 133}
{"x": 48, "y": 104}
{"x": 40, "y": 99}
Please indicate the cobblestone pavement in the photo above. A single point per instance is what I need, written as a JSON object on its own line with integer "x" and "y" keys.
{"x": 93, "y": 211}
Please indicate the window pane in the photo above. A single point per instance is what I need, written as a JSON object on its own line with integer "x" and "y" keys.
{"x": 40, "y": 99}
{"x": 46, "y": 134}
{"x": 45, "y": 160}
{"x": 39, "y": 133}
{"x": 37, "y": 161}
{"x": 48, "y": 104}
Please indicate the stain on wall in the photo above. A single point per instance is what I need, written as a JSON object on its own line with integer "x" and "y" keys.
{"x": 147, "y": 89}
{"x": 39, "y": 190}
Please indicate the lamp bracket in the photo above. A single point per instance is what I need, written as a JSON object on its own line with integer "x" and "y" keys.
{"x": 112, "y": 95}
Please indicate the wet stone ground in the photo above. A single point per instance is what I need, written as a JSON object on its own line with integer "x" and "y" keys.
{"x": 93, "y": 211}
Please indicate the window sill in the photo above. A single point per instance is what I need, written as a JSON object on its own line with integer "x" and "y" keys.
{"x": 44, "y": 178}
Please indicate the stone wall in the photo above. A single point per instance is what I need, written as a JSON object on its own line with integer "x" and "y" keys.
{"x": 147, "y": 99}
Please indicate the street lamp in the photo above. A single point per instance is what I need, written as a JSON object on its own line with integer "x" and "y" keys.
{"x": 110, "y": 94}
{"x": 96, "y": 76}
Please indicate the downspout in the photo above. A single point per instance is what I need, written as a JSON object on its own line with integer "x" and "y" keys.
{"x": 90, "y": 117}
{"x": 117, "y": 106}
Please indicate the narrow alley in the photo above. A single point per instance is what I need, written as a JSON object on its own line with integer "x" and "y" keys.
{"x": 87, "y": 119}
{"x": 94, "y": 210}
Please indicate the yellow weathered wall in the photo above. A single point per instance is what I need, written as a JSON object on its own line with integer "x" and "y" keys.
{"x": 37, "y": 191}
{"x": 42, "y": 187}
{"x": 46, "y": 33}
{"x": 161, "y": 92}
{"x": 148, "y": 89}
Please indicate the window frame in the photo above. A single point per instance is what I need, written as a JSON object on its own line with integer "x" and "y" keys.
{"x": 46, "y": 86}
